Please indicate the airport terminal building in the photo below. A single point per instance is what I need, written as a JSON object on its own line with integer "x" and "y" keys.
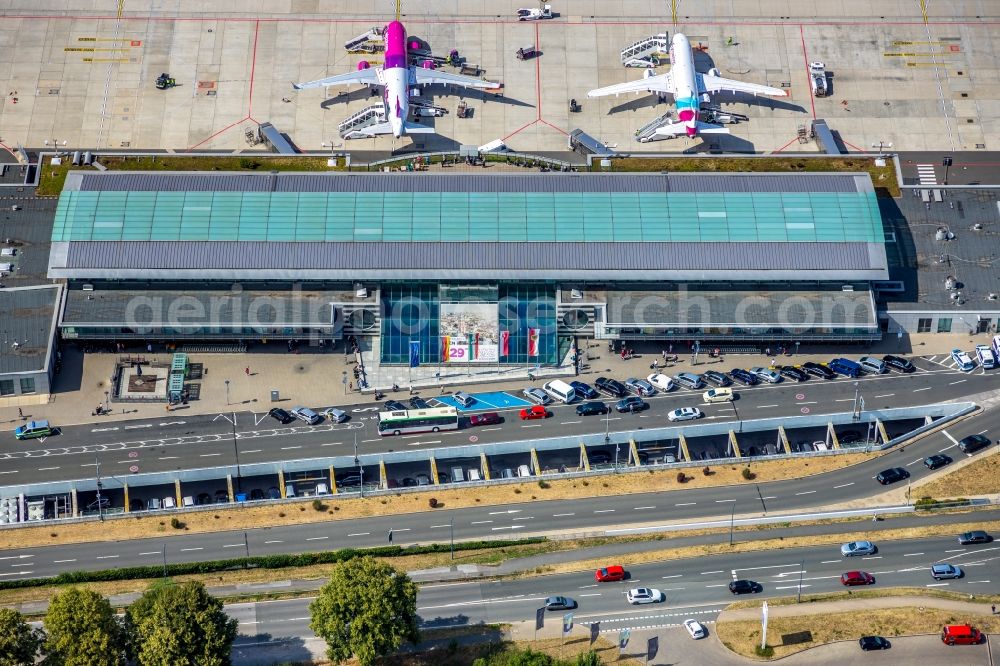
{"x": 443, "y": 267}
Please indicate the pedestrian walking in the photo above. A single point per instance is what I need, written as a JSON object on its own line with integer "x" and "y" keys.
{"x": 247, "y": 370}
{"x": 664, "y": 354}
{"x": 993, "y": 609}
{"x": 20, "y": 413}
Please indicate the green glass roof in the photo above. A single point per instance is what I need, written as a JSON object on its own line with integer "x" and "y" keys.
{"x": 467, "y": 216}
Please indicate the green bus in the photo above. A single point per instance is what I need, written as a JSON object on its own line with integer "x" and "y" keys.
{"x": 408, "y": 421}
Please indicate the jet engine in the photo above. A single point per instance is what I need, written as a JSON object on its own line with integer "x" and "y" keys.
{"x": 364, "y": 64}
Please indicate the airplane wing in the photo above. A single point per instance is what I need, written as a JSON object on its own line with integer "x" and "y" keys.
{"x": 365, "y": 76}
{"x": 386, "y": 128}
{"x": 425, "y": 76}
{"x": 678, "y": 129}
{"x": 662, "y": 83}
{"x": 710, "y": 84}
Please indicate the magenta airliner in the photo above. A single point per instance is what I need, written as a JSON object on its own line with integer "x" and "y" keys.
{"x": 396, "y": 76}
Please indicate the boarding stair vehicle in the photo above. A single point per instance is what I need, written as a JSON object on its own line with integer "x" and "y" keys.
{"x": 645, "y": 52}
{"x": 647, "y": 132}
{"x": 353, "y": 126}
{"x": 367, "y": 42}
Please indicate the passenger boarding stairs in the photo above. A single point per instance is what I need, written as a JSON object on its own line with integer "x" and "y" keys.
{"x": 647, "y": 132}
{"x": 372, "y": 115}
{"x": 369, "y": 42}
{"x": 643, "y": 51}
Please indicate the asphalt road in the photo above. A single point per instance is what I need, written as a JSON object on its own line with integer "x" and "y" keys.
{"x": 967, "y": 168}
{"x": 181, "y": 442}
{"x": 592, "y": 515}
{"x": 694, "y": 588}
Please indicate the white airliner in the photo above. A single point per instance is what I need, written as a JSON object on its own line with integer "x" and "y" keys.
{"x": 396, "y": 76}
{"x": 689, "y": 89}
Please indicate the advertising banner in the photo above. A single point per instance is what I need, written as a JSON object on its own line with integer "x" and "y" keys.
{"x": 469, "y": 332}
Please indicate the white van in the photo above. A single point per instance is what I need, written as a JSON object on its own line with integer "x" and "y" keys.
{"x": 560, "y": 390}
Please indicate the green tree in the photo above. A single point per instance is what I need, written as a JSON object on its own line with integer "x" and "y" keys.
{"x": 366, "y": 610}
{"x": 179, "y": 625}
{"x": 82, "y": 631}
{"x": 19, "y": 643}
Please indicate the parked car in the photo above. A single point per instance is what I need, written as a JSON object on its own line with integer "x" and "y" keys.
{"x": 962, "y": 360}
{"x": 221, "y": 496}
{"x": 533, "y": 412}
{"x": 559, "y": 604}
{"x": 255, "y": 495}
{"x": 204, "y": 498}
{"x": 280, "y": 415}
{"x": 464, "y": 399}
{"x": 334, "y": 415}
{"x": 899, "y": 363}
{"x": 416, "y": 402}
{"x": 794, "y": 373}
{"x": 273, "y": 493}
{"x": 661, "y": 381}
{"x": 818, "y": 370}
{"x": 766, "y": 375}
{"x": 718, "y": 395}
{"x": 743, "y": 376}
{"x": 306, "y": 415}
{"x": 486, "y": 418}
{"x": 716, "y": 378}
{"x": 394, "y": 406}
{"x": 975, "y": 536}
{"x": 873, "y": 643}
{"x": 609, "y": 574}
{"x": 639, "y": 387}
{"x": 643, "y": 595}
{"x": 945, "y": 570}
{"x": 892, "y": 475}
{"x": 850, "y": 578}
{"x": 960, "y": 634}
{"x": 745, "y": 587}
{"x": 972, "y": 443}
{"x": 872, "y": 365}
{"x": 610, "y": 387}
{"x": 689, "y": 380}
{"x": 631, "y": 404}
{"x": 855, "y": 548}
{"x": 695, "y": 629}
{"x": 987, "y": 360}
{"x": 599, "y": 458}
{"x": 590, "y": 408}
{"x": 584, "y": 390}
{"x": 537, "y": 396}
{"x": 684, "y": 414}
{"x": 936, "y": 461}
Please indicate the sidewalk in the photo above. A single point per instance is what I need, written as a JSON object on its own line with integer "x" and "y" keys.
{"x": 316, "y": 378}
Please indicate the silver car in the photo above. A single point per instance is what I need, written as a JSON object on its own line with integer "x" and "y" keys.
{"x": 766, "y": 375}
{"x": 855, "y": 548}
{"x": 945, "y": 570}
{"x": 639, "y": 387}
{"x": 335, "y": 415}
{"x": 307, "y": 415}
{"x": 537, "y": 396}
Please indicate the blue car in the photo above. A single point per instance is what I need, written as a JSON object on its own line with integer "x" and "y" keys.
{"x": 744, "y": 377}
{"x": 585, "y": 391}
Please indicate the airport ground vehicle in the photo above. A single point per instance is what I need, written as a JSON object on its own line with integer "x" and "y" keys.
{"x": 417, "y": 420}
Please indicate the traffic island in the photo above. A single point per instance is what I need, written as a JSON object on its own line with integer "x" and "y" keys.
{"x": 796, "y": 627}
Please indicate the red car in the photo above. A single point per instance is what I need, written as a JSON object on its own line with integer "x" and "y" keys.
{"x": 486, "y": 418}
{"x": 609, "y": 574}
{"x": 534, "y": 412}
{"x": 857, "y": 578}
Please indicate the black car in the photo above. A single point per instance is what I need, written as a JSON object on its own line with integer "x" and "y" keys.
{"x": 892, "y": 475}
{"x": 716, "y": 378}
{"x": 899, "y": 363}
{"x": 591, "y": 408}
{"x": 348, "y": 479}
{"x": 280, "y": 415}
{"x": 873, "y": 643}
{"x": 973, "y": 443}
{"x": 584, "y": 390}
{"x": 416, "y": 402}
{"x": 850, "y": 437}
{"x": 975, "y": 536}
{"x": 273, "y": 493}
{"x": 818, "y": 370}
{"x": 610, "y": 387}
{"x": 599, "y": 458}
{"x": 394, "y": 406}
{"x": 933, "y": 462}
{"x": 791, "y": 372}
{"x": 745, "y": 587}
{"x": 742, "y": 376}
{"x": 202, "y": 499}
{"x": 631, "y": 404}
{"x": 256, "y": 494}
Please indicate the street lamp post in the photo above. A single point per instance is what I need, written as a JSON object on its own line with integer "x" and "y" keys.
{"x": 946, "y": 163}
{"x": 761, "y": 498}
{"x": 100, "y": 506}
{"x": 732, "y": 524}
{"x": 881, "y": 143}
{"x": 236, "y": 454}
{"x": 855, "y": 414}
{"x": 227, "y": 393}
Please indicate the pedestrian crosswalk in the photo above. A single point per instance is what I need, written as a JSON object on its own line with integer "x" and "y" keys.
{"x": 925, "y": 172}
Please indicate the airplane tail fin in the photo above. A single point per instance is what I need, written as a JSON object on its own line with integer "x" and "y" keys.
{"x": 417, "y": 128}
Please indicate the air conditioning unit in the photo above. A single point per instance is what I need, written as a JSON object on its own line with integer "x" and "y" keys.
{"x": 847, "y": 287}
{"x": 88, "y": 287}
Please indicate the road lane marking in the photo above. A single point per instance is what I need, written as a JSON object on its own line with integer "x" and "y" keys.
{"x": 266, "y": 542}
{"x": 707, "y": 573}
{"x": 319, "y": 538}
{"x": 765, "y": 406}
{"x": 686, "y": 504}
{"x": 590, "y": 594}
{"x": 845, "y": 400}
{"x": 719, "y": 585}
{"x": 725, "y": 500}
{"x": 812, "y": 402}
{"x": 957, "y": 550}
{"x": 49, "y": 469}
{"x": 872, "y": 557}
{"x": 175, "y": 457}
{"x": 604, "y": 511}
{"x": 289, "y": 448}
{"x": 106, "y": 557}
{"x": 233, "y": 545}
{"x": 806, "y": 492}
{"x": 244, "y": 451}
{"x": 926, "y": 388}
{"x": 152, "y": 552}
{"x": 936, "y": 584}
{"x": 532, "y": 425}
{"x": 480, "y": 522}
{"x": 885, "y": 395}
{"x": 569, "y": 422}
{"x": 911, "y": 554}
{"x": 509, "y": 527}
{"x": 560, "y": 515}
{"x": 184, "y": 550}
{"x": 829, "y": 561}
{"x": 792, "y": 587}
{"x": 433, "y": 527}
{"x": 62, "y": 561}
{"x": 952, "y": 384}
{"x": 674, "y": 576}
{"x": 642, "y": 508}
{"x": 209, "y": 455}
{"x": 522, "y": 518}
{"x": 363, "y": 533}
{"x": 844, "y": 485}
